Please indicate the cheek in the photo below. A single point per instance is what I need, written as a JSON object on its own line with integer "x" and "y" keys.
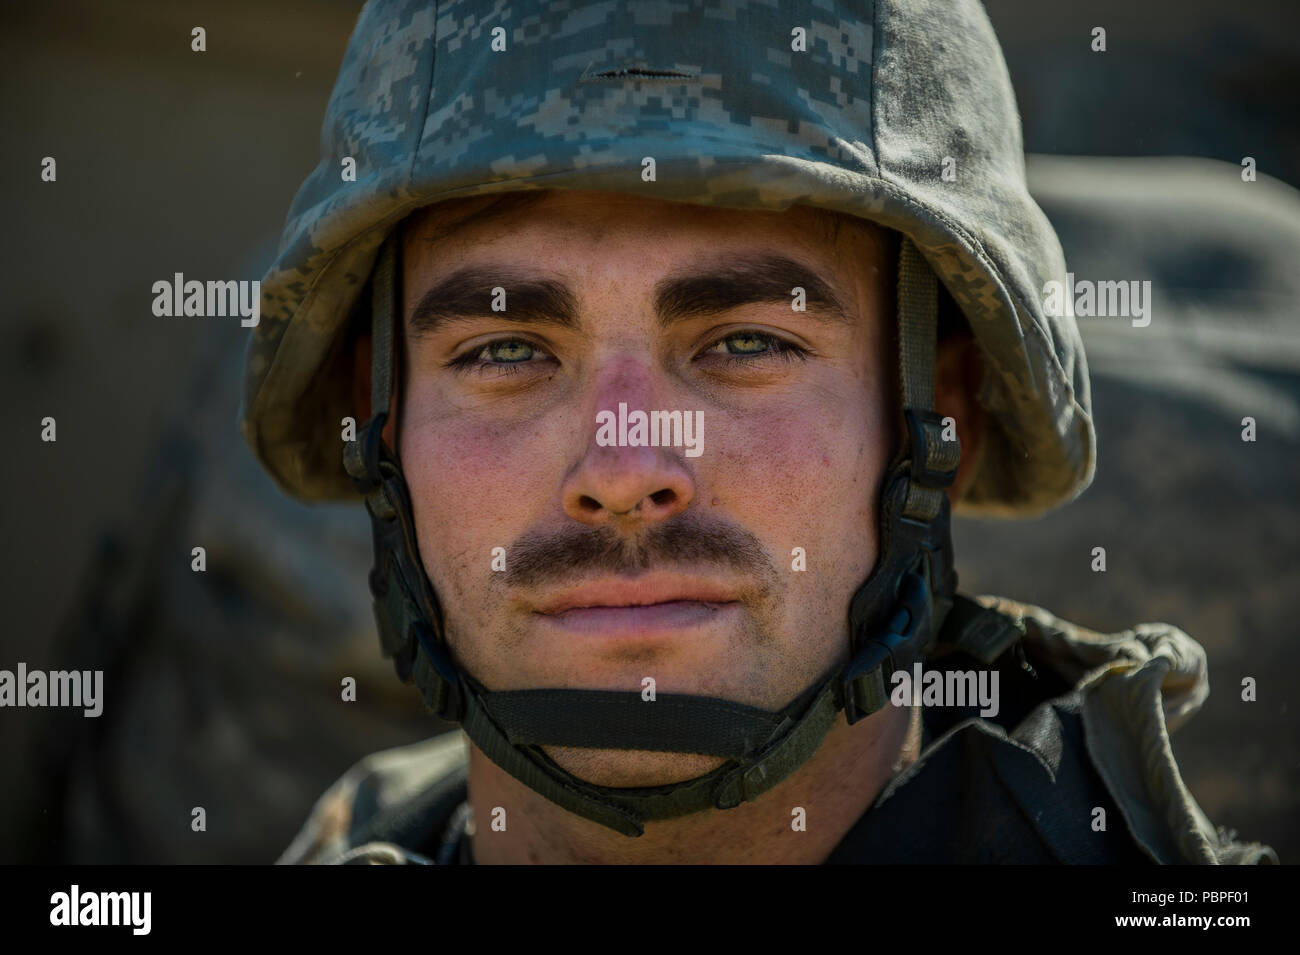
{"x": 474, "y": 487}
{"x": 806, "y": 477}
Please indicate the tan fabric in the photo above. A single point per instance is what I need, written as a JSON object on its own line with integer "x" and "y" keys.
{"x": 1140, "y": 685}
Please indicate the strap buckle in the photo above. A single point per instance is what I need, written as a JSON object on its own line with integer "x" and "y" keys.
{"x": 929, "y": 454}
{"x": 361, "y": 457}
{"x": 868, "y": 673}
{"x": 451, "y": 702}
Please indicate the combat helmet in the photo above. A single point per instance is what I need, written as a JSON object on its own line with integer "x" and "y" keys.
{"x": 857, "y": 108}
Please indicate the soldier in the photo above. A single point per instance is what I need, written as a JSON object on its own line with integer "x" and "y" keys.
{"x": 810, "y": 237}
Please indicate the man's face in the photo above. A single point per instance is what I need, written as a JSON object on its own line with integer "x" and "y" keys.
{"x": 626, "y": 562}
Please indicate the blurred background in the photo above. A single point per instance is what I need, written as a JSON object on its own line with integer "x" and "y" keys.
{"x": 222, "y": 689}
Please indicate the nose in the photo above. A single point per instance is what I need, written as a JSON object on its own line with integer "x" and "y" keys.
{"x": 628, "y": 486}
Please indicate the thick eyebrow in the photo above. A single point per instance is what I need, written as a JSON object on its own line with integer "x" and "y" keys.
{"x": 466, "y": 295}
{"x": 749, "y": 279}
{"x": 699, "y": 292}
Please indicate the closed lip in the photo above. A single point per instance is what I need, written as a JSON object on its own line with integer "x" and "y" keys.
{"x": 641, "y": 591}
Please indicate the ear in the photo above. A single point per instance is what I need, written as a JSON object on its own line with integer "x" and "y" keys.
{"x": 959, "y": 371}
{"x": 361, "y": 390}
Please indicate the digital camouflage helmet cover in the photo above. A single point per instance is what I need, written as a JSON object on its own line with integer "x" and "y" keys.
{"x": 856, "y": 108}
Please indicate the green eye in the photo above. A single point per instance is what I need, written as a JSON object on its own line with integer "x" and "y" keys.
{"x": 747, "y": 343}
{"x": 751, "y": 348}
{"x": 510, "y": 351}
{"x": 500, "y": 357}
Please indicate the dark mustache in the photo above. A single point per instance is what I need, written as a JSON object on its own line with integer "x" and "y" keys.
{"x": 538, "y": 559}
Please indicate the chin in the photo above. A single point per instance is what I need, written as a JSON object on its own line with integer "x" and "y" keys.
{"x": 631, "y": 768}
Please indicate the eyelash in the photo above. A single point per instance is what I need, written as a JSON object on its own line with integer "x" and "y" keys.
{"x": 778, "y": 348}
{"x": 470, "y": 361}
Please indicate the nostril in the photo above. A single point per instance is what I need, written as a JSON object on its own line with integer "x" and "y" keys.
{"x": 589, "y": 503}
{"x": 666, "y": 496}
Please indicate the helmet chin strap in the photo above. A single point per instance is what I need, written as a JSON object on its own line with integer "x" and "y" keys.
{"x": 893, "y": 616}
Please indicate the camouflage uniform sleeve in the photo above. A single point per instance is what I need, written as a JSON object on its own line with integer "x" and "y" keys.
{"x": 335, "y": 831}
{"x": 1138, "y": 686}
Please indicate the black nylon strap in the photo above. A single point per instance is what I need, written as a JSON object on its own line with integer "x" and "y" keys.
{"x": 528, "y": 768}
{"x": 788, "y": 754}
{"x": 626, "y": 810}
{"x": 671, "y": 723}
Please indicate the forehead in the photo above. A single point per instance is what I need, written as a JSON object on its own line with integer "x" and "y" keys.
{"x": 593, "y": 216}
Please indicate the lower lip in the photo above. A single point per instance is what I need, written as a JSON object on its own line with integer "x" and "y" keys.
{"x": 648, "y": 620}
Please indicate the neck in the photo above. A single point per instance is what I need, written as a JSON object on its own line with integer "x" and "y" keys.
{"x": 834, "y": 788}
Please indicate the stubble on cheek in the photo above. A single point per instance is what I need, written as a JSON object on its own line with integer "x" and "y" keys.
{"x": 480, "y": 627}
